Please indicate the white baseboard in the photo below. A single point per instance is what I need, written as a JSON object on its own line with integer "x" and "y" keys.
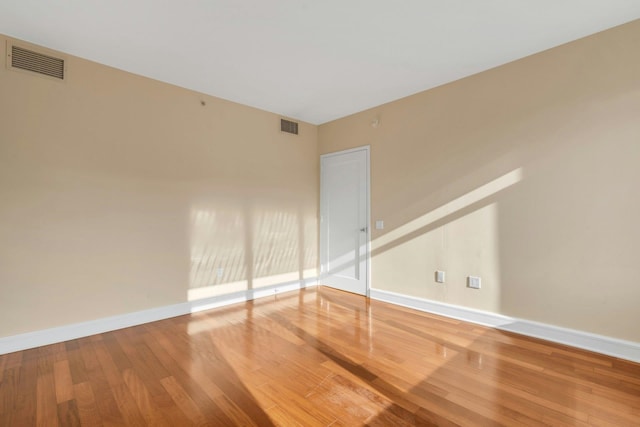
{"x": 78, "y": 330}
{"x": 628, "y": 350}
{"x": 222, "y": 300}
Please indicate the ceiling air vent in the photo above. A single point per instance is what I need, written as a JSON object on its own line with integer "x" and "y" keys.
{"x": 288, "y": 126}
{"x": 36, "y": 62}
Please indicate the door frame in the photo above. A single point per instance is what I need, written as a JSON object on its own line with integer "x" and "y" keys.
{"x": 322, "y": 242}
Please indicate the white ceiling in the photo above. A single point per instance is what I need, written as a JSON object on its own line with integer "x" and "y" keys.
{"x": 312, "y": 60}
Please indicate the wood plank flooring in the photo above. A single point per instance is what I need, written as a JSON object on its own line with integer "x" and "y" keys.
{"x": 317, "y": 357}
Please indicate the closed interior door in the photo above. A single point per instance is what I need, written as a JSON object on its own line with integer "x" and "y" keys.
{"x": 344, "y": 229}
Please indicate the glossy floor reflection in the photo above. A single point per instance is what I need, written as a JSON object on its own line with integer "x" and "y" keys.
{"x": 318, "y": 357}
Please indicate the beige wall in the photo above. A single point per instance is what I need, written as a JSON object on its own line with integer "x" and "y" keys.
{"x": 119, "y": 193}
{"x": 527, "y": 175}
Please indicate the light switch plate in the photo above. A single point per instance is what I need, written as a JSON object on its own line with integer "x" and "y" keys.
{"x": 379, "y": 224}
{"x": 440, "y": 276}
{"x": 474, "y": 282}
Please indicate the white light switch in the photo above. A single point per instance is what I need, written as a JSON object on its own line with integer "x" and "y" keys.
{"x": 440, "y": 276}
{"x": 379, "y": 224}
{"x": 474, "y": 282}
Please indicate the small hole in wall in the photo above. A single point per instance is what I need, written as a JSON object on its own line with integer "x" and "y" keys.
{"x": 203, "y": 103}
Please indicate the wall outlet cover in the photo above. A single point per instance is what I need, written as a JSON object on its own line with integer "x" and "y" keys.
{"x": 440, "y": 276}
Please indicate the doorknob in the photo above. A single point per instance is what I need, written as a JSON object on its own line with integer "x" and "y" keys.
{"x": 363, "y": 229}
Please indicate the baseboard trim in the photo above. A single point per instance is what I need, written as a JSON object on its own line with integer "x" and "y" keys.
{"x": 236, "y": 297}
{"x": 622, "y": 349}
{"x": 83, "y": 329}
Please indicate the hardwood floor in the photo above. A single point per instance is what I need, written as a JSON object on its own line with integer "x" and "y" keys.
{"x": 315, "y": 358}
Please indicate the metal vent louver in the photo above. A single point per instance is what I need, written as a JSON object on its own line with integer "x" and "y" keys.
{"x": 25, "y": 59}
{"x": 288, "y": 126}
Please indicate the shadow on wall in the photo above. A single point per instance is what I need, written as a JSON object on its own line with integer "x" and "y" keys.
{"x": 550, "y": 226}
{"x": 404, "y": 247}
{"x": 558, "y": 247}
{"x": 244, "y": 244}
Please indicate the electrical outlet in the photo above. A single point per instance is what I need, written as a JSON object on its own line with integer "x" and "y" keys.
{"x": 220, "y": 272}
{"x": 474, "y": 282}
{"x": 440, "y": 276}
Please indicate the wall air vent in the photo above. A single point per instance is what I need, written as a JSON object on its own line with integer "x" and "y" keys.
{"x": 35, "y": 62}
{"x": 288, "y": 126}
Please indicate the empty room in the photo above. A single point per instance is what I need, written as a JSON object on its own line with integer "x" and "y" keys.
{"x": 296, "y": 213}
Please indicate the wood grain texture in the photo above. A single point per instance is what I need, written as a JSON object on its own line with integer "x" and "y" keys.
{"x": 316, "y": 357}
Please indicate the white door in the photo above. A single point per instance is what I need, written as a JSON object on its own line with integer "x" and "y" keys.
{"x": 344, "y": 220}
